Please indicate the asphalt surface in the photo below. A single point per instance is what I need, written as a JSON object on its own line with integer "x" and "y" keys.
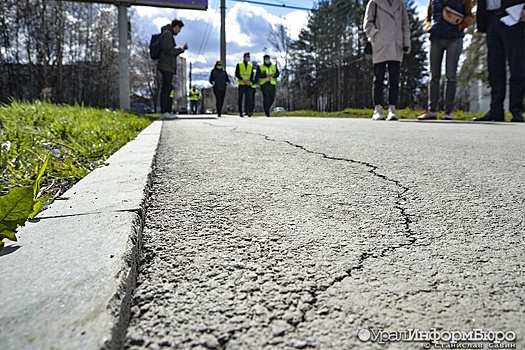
{"x": 310, "y": 233}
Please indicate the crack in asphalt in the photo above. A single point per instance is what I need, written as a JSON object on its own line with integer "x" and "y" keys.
{"x": 398, "y": 205}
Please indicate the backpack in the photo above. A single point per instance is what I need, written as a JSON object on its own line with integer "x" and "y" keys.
{"x": 154, "y": 47}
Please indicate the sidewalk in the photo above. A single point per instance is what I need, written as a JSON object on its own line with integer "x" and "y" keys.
{"x": 67, "y": 282}
{"x": 313, "y": 233}
{"x": 277, "y": 233}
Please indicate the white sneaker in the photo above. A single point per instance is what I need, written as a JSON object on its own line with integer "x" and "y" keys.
{"x": 448, "y": 116}
{"x": 168, "y": 115}
{"x": 392, "y": 113}
{"x": 378, "y": 113}
{"x": 428, "y": 115}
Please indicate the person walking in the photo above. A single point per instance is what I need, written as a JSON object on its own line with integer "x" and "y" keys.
{"x": 194, "y": 99}
{"x": 220, "y": 80}
{"x": 505, "y": 43}
{"x": 253, "y": 89}
{"x": 388, "y": 29}
{"x": 245, "y": 77}
{"x": 168, "y": 63}
{"x": 445, "y": 37}
{"x": 267, "y": 75}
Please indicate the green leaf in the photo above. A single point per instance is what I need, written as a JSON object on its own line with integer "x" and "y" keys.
{"x": 15, "y": 207}
{"x": 8, "y": 231}
{"x": 38, "y": 204}
{"x": 38, "y": 181}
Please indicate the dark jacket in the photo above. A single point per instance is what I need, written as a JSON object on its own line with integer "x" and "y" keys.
{"x": 482, "y": 15}
{"x": 219, "y": 79}
{"x": 168, "y": 50}
{"x": 441, "y": 29}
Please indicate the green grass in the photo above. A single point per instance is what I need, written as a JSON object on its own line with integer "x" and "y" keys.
{"x": 367, "y": 113}
{"x": 78, "y": 139}
{"x": 45, "y": 148}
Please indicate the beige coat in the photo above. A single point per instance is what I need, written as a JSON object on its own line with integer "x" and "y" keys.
{"x": 388, "y": 29}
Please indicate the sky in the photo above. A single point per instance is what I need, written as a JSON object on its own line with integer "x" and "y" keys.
{"x": 248, "y": 26}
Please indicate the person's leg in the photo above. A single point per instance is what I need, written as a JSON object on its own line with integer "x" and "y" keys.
{"x": 378, "y": 84}
{"x": 514, "y": 39}
{"x": 249, "y": 100}
{"x": 222, "y": 95}
{"x": 165, "y": 90}
{"x": 437, "y": 48}
{"x": 454, "y": 48}
{"x": 496, "y": 68}
{"x": 271, "y": 97}
{"x": 394, "y": 69}
{"x": 219, "y": 99}
{"x": 265, "y": 89}
{"x": 242, "y": 92}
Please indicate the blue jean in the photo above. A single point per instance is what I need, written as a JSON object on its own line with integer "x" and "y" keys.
{"x": 453, "y": 48}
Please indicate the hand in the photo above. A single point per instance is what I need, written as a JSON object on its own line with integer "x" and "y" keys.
{"x": 247, "y": 82}
{"x": 522, "y": 17}
{"x": 407, "y": 50}
{"x": 185, "y": 47}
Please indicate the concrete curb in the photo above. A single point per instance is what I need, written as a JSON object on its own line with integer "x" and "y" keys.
{"x": 67, "y": 282}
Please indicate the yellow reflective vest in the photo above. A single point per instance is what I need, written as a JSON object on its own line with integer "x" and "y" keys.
{"x": 245, "y": 71}
{"x": 194, "y": 95}
{"x": 272, "y": 69}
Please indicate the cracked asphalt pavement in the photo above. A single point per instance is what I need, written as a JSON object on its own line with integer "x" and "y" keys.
{"x": 311, "y": 233}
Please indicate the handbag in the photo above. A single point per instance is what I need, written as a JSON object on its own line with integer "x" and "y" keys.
{"x": 452, "y": 16}
{"x": 368, "y": 48}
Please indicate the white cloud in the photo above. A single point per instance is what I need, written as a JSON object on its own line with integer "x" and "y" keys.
{"x": 247, "y": 30}
{"x": 295, "y": 21}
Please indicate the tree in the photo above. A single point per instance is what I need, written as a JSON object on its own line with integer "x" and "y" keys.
{"x": 328, "y": 63}
{"x": 281, "y": 42}
{"x": 68, "y": 46}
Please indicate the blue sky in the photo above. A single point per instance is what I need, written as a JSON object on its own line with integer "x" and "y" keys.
{"x": 248, "y": 25}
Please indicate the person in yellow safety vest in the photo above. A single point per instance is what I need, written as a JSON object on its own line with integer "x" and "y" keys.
{"x": 253, "y": 89}
{"x": 194, "y": 99}
{"x": 267, "y": 74}
{"x": 245, "y": 75}
{"x": 170, "y": 99}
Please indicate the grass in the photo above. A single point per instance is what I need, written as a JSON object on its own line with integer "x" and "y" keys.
{"x": 77, "y": 139}
{"x": 406, "y": 113}
{"x": 46, "y": 148}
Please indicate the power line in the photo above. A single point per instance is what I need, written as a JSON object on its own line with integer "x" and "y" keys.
{"x": 275, "y": 5}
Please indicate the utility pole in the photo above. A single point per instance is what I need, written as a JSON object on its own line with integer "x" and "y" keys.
{"x": 124, "y": 85}
{"x": 190, "y": 75}
{"x": 223, "y": 33}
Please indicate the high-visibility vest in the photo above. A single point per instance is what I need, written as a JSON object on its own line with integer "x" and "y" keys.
{"x": 194, "y": 95}
{"x": 268, "y": 70}
{"x": 245, "y": 71}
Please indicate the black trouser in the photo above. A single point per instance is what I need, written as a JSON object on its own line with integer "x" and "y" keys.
{"x": 394, "y": 68}
{"x": 251, "y": 106}
{"x": 268, "y": 92}
{"x": 193, "y": 106}
{"x": 505, "y": 45}
{"x": 165, "y": 101}
{"x": 219, "y": 98}
{"x": 244, "y": 93}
